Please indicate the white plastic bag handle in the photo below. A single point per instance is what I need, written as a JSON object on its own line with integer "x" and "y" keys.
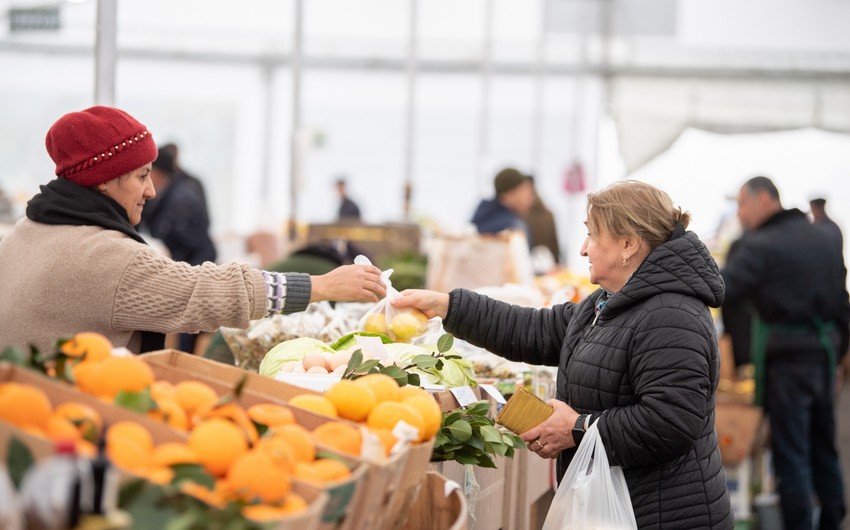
{"x": 385, "y": 275}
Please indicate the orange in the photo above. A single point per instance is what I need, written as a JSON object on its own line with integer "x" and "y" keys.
{"x": 387, "y": 414}
{"x": 59, "y": 428}
{"x": 279, "y": 450}
{"x": 409, "y": 391}
{"x": 170, "y": 413}
{"x": 254, "y": 475}
{"x": 387, "y": 439}
{"x": 158, "y": 475}
{"x": 192, "y": 395}
{"x": 85, "y": 376}
{"x": 117, "y": 374}
{"x": 339, "y": 436}
{"x": 352, "y": 401}
{"x": 218, "y": 443}
{"x": 304, "y": 471}
{"x": 270, "y": 415}
{"x": 89, "y": 345}
{"x": 294, "y": 504}
{"x": 232, "y": 412}
{"x": 329, "y": 469}
{"x": 87, "y": 420}
{"x": 86, "y": 448}
{"x": 383, "y": 386}
{"x": 129, "y": 431}
{"x": 128, "y": 455}
{"x": 431, "y": 413}
{"x": 163, "y": 390}
{"x": 25, "y": 406}
{"x": 172, "y": 453}
{"x": 299, "y": 440}
{"x": 318, "y": 404}
{"x": 264, "y": 513}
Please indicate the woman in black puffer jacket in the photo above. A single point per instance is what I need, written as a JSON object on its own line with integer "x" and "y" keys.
{"x": 639, "y": 356}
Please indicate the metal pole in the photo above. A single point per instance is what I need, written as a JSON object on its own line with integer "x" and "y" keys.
{"x": 295, "y": 161}
{"x": 537, "y": 104}
{"x": 268, "y": 119}
{"x": 484, "y": 117}
{"x": 105, "y": 47}
{"x": 410, "y": 133}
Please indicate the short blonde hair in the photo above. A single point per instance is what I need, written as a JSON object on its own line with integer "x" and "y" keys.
{"x": 633, "y": 208}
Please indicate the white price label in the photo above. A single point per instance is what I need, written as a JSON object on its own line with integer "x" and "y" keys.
{"x": 464, "y": 395}
{"x": 494, "y": 393}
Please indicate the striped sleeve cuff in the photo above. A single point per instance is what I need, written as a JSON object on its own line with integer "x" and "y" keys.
{"x": 298, "y": 290}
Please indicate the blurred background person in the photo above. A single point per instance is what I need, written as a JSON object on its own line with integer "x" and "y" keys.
{"x": 823, "y": 221}
{"x": 348, "y": 209}
{"x": 542, "y": 228}
{"x": 794, "y": 276}
{"x": 512, "y": 202}
{"x": 178, "y": 217}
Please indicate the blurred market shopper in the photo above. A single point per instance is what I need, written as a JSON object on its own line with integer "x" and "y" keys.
{"x": 76, "y": 262}
{"x": 823, "y": 221}
{"x": 794, "y": 276}
{"x": 348, "y": 209}
{"x": 514, "y": 199}
{"x": 639, "y": 356}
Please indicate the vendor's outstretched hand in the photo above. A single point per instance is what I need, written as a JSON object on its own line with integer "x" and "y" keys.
{"x": 349, "y": 283}
{"x": 432, "y": 303}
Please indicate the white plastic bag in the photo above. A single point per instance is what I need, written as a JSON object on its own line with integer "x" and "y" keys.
{"x": 401, "y": 325}
{"x": 592, "y": 495}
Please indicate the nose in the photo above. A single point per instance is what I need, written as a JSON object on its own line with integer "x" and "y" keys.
{"x": 150, "y": 191}
{"x": 584, "y": 247}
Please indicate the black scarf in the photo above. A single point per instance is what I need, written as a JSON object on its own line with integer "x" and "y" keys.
{"x": 61, "y": 202}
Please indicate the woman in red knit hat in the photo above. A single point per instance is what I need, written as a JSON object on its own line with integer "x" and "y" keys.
{"x": 76, "y": 263}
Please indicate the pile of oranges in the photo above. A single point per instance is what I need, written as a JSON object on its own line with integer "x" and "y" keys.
{"x": 376, "y": 401}
{"x": 222, "y": 436}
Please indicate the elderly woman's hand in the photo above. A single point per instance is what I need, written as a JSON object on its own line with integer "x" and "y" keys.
{"x": 349, "y": 283}
{"x": 431, "y": 303}
{"x": 555, "y": 434}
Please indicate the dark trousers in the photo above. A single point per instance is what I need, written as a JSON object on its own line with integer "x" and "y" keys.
{"x": 800, "y": 404}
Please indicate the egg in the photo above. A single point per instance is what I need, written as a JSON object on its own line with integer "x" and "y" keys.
{"x": 339, "y": 359}
{"x": 313, "y": 359}
{"x": 339, "y": 370}
{"x": 317, "y": 370}
{"x": 289, "y": 366}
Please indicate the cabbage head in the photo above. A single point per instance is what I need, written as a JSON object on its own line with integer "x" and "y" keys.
{"x": 290, "y": 350}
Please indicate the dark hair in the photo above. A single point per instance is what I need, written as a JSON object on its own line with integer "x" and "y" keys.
{"x": 758, "y": 184}
{"x": 818, "y": 203}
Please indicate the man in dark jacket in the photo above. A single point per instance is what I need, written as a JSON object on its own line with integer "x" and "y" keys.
{"x": 795, "y": 278}
{"x": 513, "y": 200}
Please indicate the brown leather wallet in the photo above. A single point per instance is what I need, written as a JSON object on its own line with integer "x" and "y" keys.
{"x": 523, "y": 411}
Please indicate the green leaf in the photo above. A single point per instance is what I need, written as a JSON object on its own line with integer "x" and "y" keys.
{"x": 240, "y": 386}
{"x": 140, "y": 402}
{"x": 353, "y": 363}
{"x": 490, "y": 434}
{"x": 14, "y": 355}
{"x": 461, "y": 430}
{"x": 18, "y": 460}
{"x": 479, "y": 408}
{"x": 445, "y": 343}
{"x": 467, "y": 459}
{"x": 424, "y": 362}
{"x": 396, "y": 373}
{"x": 486, "y": 461}
{"x": 451, "y": 417}
{"x": 193, "y": 473}
{"x": 413, "y": 380}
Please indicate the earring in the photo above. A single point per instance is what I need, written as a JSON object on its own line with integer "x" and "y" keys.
{"x": 625, "y": 262}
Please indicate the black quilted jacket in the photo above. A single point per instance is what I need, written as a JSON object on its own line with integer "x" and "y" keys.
{"x": 649, "y": 361}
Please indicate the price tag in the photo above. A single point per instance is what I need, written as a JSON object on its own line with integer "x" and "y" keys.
{"x": 494, "y": 393}
{"x": 372, "y": 347}
{"x": 464, "y": 395}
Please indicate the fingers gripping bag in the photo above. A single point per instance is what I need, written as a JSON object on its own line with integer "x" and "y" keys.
{"x": 593, "y": 495}
{"x": 401, "y": 325}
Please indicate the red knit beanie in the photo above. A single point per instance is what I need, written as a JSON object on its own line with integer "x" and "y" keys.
{"x": 98, "y": 144}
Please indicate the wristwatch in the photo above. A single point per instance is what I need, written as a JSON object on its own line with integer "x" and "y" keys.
{"x": 578, "y": 428}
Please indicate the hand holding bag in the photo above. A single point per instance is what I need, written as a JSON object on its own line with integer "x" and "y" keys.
{"x": 592, "y": 495}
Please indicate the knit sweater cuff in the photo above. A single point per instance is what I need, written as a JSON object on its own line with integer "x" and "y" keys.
{"x": 298, "y": 289}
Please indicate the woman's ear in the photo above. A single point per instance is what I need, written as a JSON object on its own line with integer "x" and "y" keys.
{"x": 630, "y": 246}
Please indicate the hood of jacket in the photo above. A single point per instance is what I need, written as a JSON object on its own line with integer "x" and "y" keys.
{"x": 682, "y": 265}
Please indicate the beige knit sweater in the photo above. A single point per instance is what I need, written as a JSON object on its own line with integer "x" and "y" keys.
{"x": 57, "y": 280}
